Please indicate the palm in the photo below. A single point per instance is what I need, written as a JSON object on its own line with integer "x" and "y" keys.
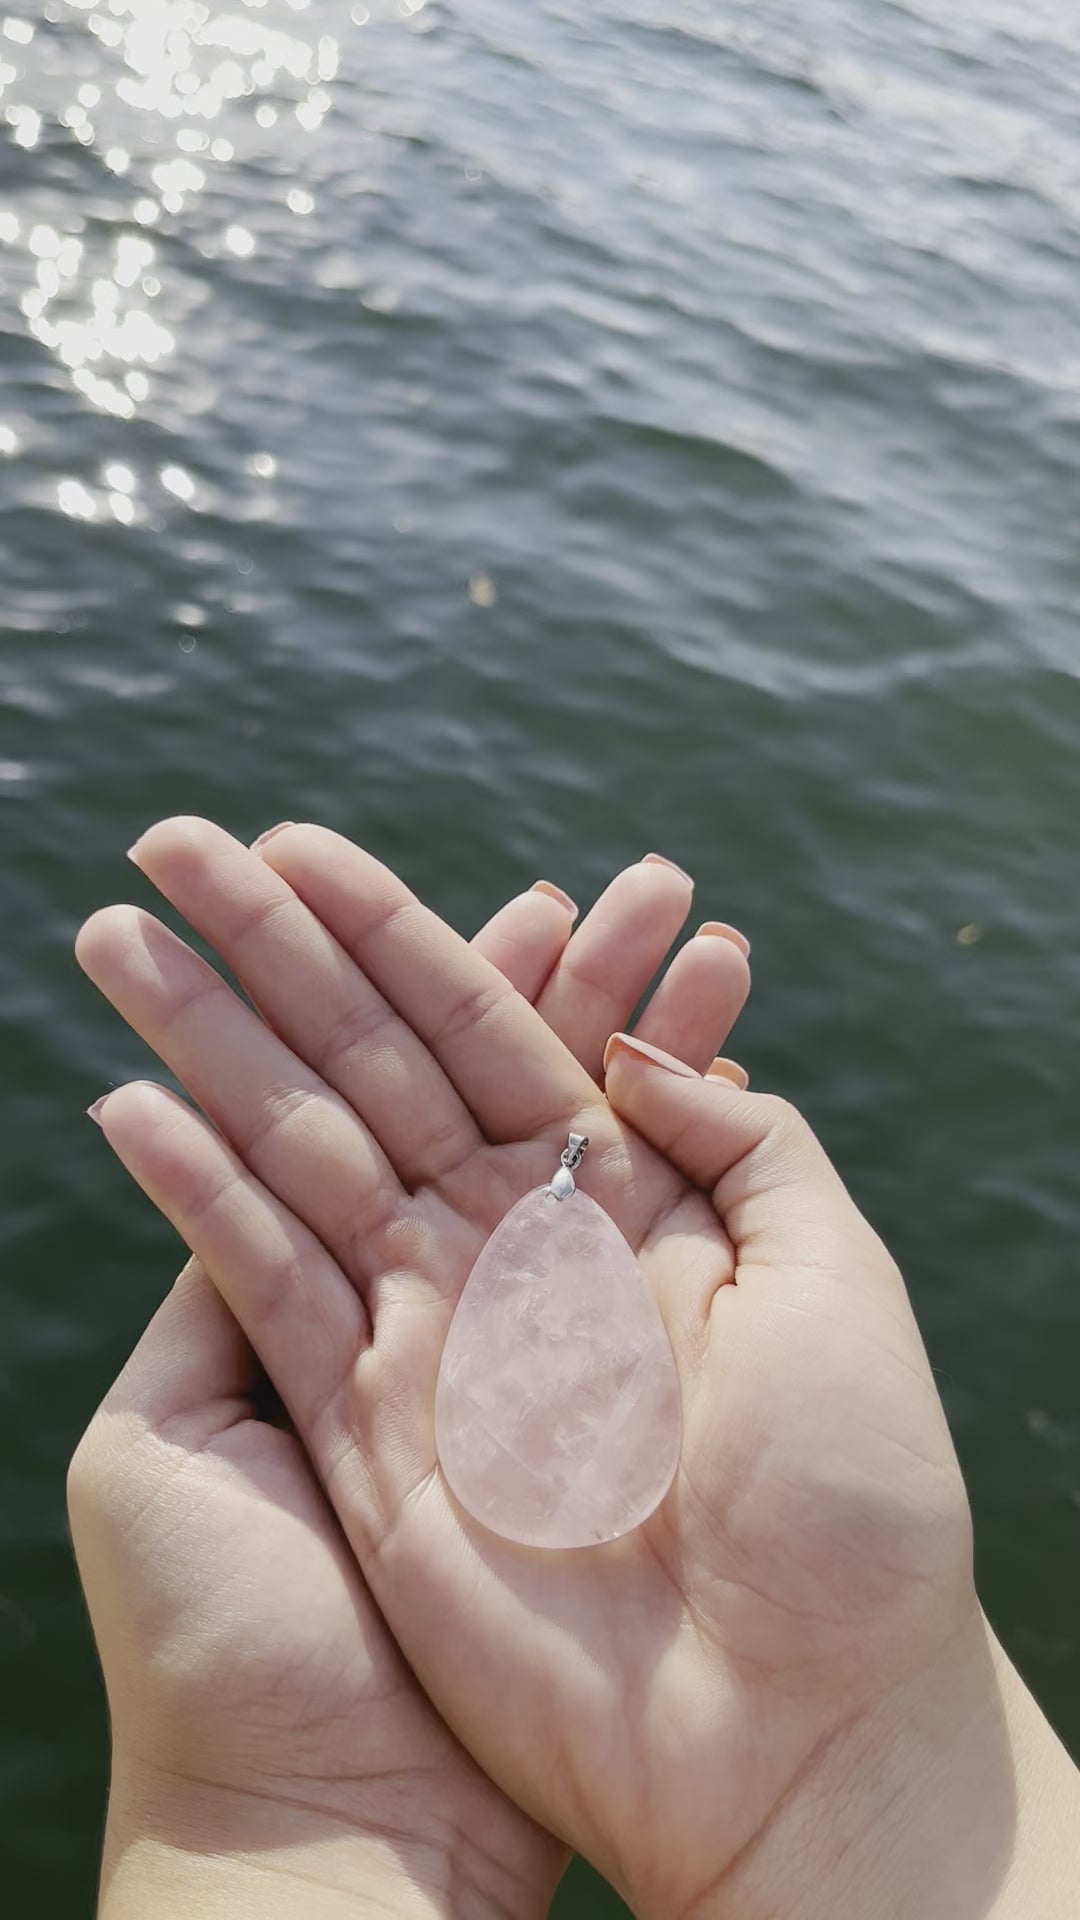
{"x": 265, "y": 1668}
{"x": 260, "y": 1543}
{"x": 799, "y": 1542}
{"x": 267, "y": 1539}
{"x": 732, "y": 1611}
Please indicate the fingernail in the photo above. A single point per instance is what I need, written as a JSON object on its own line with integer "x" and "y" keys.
{"x": 730, "y": 1071}
{"x": 94, "y": 1111}
{"x": 564, "y": 900}
{"x": 269, "y": 834}
{"x": 132, "y": 853}
{"x": 643, "y": 1050}
{"x": 723, "y": 932}
{"x": 661, "y": 860}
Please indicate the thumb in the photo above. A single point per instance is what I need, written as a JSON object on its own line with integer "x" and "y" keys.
{"x": 193, "y": 1361}
{"x": 777, "y": 1193}
{"x": 187, "y": 1379}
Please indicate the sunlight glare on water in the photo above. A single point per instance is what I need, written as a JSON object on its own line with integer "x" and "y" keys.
{"x": 171, "y": 73}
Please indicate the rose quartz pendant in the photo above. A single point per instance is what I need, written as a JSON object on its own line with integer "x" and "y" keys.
{"x": 557, "y": 1416}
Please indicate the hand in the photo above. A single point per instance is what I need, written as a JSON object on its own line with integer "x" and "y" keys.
{"x": 777, "y": 1697}
{"x": 260, "y": 1708}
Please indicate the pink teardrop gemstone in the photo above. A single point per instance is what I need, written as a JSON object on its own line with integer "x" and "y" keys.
{"x": 557, "y": 1416}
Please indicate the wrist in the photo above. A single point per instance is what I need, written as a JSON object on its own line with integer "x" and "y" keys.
{"x": 953, "y": 1800}
{"x": 183, "y": 1848}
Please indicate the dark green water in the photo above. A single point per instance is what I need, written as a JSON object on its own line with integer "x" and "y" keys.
{"x": 737, "y": 346}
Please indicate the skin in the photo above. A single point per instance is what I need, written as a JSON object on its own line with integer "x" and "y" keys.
{"x": 779, "y": 1696}
{"x": 261, "y": 1710}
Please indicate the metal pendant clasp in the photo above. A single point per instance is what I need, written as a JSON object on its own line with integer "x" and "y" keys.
{"x": 574, "y": 1154}
{"x": 564, "y": 1184}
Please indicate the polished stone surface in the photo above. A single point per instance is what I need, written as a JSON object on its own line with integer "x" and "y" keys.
{"x": 557, "y": 1413}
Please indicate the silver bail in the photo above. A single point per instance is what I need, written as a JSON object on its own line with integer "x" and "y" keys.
{"x": 574, "y": 1154}
{"x": 564, "y": 1184}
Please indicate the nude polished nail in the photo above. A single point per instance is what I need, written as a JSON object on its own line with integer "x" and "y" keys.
{"x": 661, "y": 860}
{"x": 719, "y": 930}
{"x": 652, "y": 1056}
{"x": 556, "y": 893}
{"x": 269, "y": 834}
{"x": 730, "y": 1071}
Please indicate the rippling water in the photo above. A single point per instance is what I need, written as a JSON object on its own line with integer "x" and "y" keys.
{"x": 522, "y": 436}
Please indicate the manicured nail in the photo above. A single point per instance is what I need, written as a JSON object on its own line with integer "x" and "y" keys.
{"x": 95, "y": 1111}
{"x": 730, "y": 1071}
{"x": 722, "y": 931}
{"x": 269, "y": 834}
{"x": 644, "y": 1050}
{"x": 132, "y": 853}
{"x": 564, "y": 900}
{"x": 661, "y": 860}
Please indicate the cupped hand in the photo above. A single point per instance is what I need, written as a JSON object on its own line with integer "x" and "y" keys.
{"x": 244, "y": 1655}
{"x": 672, "y": 1702}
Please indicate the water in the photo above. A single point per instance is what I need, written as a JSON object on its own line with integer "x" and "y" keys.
{"x": 522, "y": 437}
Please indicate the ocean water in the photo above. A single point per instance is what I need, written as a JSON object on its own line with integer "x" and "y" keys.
{"x": 522, "y": 437}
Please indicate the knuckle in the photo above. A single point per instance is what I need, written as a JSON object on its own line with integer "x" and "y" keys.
{"x": 259, "y": 919}
{"x": 781, "y": 1116}
{"x": 206, "y": 1201}
{"x": 188, "y": 1006}
{"x": 287, "y": 1282}
{"x": 441, "y": 1145}
{"x": 786, "y": 1137}
{"x": 356, "y": 1029}
{"x": 378, "y": 917}
{"x": 362, "y": 1236}
{"x": 281, "y": 1108}
{"x": 471, "y": 1011}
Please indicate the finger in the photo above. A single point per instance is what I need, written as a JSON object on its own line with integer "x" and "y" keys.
{"x": 699, "y": 999}
{"x": 777, "y": 1193}
{"x": 188, "y": 1380}
{"x": 613, "y": 956}
{"x": 312, "y": 994}
{"x": 588, "y": 985}
{"x": 295, "y": 1305}
{"x": 514, "y": 1074}
{"x": 297, "y": 1136}
{"x": 193, "y": 1361}
{"x": 528, "y": 936}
